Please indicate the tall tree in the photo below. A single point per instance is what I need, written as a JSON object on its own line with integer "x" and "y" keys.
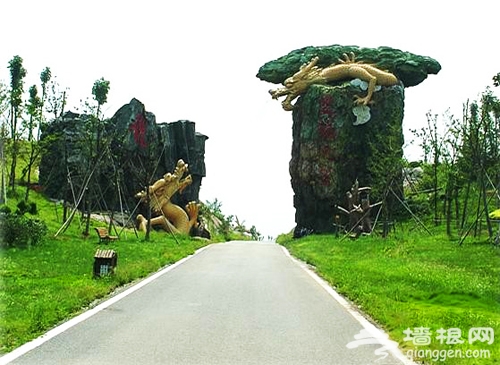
{"x": 17, "y": 74}
{"x": 45, "y": 77}
{"x": 479, "y": 158}
{"x": 34, "y": 113}
{"x": 3, "y": 171}
{"x": 100, "y": 92}
{"x": 55, "y": 99}
{"x": 35, "y": 123}
{"x": 431, "y": 143}
{"x": 91, "y": 152}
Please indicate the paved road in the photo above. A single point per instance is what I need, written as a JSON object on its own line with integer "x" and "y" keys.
{"x": 233, "y": 303}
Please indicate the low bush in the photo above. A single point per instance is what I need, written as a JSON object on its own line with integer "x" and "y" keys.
{"x": 20, "y": 231}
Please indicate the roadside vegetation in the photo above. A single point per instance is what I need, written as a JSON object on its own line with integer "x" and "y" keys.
{"x": 50, "y": 283}
{"x": 438, "y": 266}
{"x": 50, "y": 280}
{"x": 46, "y": 259}
{"x": 411, "y": 279}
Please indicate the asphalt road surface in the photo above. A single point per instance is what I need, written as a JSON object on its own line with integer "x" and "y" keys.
{"x": 233, "y": 303}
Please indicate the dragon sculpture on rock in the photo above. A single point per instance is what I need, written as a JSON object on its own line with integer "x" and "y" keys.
{"x": 169, "y": 216}
{"x": 348, "y": 68}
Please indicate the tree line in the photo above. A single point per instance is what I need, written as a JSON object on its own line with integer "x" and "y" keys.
{"x": 23, "y": 118}
{"x": 462, "y": 158}
{"x": 461, "y": 155}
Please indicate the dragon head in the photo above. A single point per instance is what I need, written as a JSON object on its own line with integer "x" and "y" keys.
{"x": 298, "y": 83}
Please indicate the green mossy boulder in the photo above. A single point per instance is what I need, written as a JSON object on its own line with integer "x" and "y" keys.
{"x": 140, "y": 151}
{"x": 331, "y": 149}
{"x": 410, "y": 68}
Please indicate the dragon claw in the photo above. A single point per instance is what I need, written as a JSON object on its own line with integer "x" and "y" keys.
{"x": 358, "y": 100}
{"x": 348, "y": 58}
{"x": 192, "y": 208}
{"x": 287, "y": 106}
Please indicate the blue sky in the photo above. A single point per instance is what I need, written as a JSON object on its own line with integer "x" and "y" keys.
{"x": 197, "y": 60}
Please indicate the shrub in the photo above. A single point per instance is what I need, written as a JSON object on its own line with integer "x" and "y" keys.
{"x": 5, "y": 209}
{"x": 26, "y": 207}
{"x": 20, "y": 231}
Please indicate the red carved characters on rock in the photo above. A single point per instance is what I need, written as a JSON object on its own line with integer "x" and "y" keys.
{"x": 326, "y": 127}
{"x": 139, "y": 129}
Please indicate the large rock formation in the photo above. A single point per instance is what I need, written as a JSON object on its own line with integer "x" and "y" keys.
{"x": 134, "y": 151}
{"x": 161, "y": 145}
{"x": 331, "y": 149}
{"x": 335, "y": 140}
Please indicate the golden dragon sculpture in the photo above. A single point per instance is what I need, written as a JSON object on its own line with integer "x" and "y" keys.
{"x": 348, "y": 68}
{"x": 170, "y": 217}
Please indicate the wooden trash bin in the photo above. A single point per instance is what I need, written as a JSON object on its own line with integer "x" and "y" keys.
{"x": 105, "y": 262}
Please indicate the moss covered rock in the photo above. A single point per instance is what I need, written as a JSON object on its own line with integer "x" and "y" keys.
{"x": 336, "y": 141}
{"x": 410, "y": 68}
{"x": 332, "y": 148}
{"x": 138, "y": 148}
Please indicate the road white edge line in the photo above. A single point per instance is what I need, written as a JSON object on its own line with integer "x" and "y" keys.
{"x": 23, "y": 349}
{"x": 367, "y": 325}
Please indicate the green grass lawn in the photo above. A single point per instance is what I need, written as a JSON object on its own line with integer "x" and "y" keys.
{"x": 413, "y": 280}
{"x": 47, "y": 284}
{"x": 407, "y": 281}
{"x": 41, "y": 286}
